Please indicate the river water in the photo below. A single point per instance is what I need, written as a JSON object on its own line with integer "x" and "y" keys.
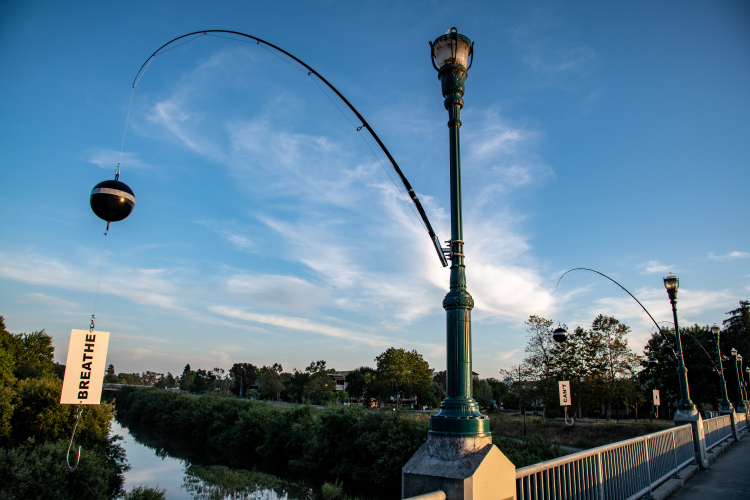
{"x": 150, "y": 470}
{"x": 183, "y": 480}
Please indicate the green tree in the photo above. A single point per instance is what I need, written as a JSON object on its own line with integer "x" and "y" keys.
{"x": 615, "y": 359}
{"x": 27, "y": 355}
{"x": 145, "y": 493}
{"x": 360, "y": 383}
{"x": 342, "y": 396}
{"x": 243, "y": 375}
{"x": 129, "y": 378}
{"x": 499, "y": 389}
{"x": 699, "y": 354}
{"x": 35, "y": 427}
{"x": 406, "y": 368}
{"x": 110, "y": 377}
{"x": 318, "y": 386}
{"x": 186, "y": 379}
{"x": 574, "y": 361}
{"x": 295, "y": 384}
{"x": 271, "y": 384}
{"x": 518, "y": 379}
{"x": 540, "y": 357}
{"x": 735, "y": 334}
{"x": 482, "y": 392}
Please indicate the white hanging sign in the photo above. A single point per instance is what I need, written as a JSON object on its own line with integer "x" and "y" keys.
{"x": 84, "y": 369}
{"x": 656, "y": 397}
{"x": 564, "y": 393}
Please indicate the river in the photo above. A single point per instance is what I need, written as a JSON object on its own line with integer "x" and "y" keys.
{"x": 148, "y": 469}
{"x": 191, "y": 472}
{"x": 185, "y": 480}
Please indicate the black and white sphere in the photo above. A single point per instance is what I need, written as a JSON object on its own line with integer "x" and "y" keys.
{"x": 560, "y": 334}
{"x": 112, "y": 201}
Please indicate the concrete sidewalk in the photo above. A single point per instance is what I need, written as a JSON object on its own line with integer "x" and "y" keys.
{"x": 728, "y": 477}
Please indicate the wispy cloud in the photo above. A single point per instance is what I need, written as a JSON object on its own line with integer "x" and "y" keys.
{"x": 654, "y": 266}
{"x": 142, "y": 286}
{"x": 137, "y": 338}
{"x": 278, "y": 292}
{"x": 729, "y": 256}
{"x": 107, "y": 159}
{"x": 504, "y": 155}
{"x": 51, "y": 302}
{"x": 301, "y": 324}
{"x": 548, "y": 51}
{"x": 228, "y": 232}
{"x": 347, "y": 217}
{"x": 692, "y": 304}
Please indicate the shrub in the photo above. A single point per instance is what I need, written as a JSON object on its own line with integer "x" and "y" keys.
{"x": 342, "y": 441}
{"x": 145, "y": 493}
{"x": 39, "y": 471}
{"x": 331, "y": 491}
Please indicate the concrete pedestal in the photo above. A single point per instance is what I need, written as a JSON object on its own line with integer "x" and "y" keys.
{"x": 464, "y": 468}
{"x": 682, "y": 417}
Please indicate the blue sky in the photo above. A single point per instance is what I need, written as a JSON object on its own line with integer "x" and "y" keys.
{"x": 594, "y": 135}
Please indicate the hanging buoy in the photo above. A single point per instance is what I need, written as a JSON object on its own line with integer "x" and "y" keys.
{"x": 560, "y": 334}
{"x": 112, "y": 201}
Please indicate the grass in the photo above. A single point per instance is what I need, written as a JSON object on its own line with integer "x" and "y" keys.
{"x": 580, "y": 435}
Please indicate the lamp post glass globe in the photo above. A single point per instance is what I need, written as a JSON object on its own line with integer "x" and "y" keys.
{"x": 715, "y": 329}
{"x": 451, "y": 48}
{"x": 112, "y": 200}
{"x": 733, "y": 352}
{"x": 671, "y": 282}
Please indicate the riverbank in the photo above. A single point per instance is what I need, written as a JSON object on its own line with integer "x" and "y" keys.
{"x": 349, "y": 443}
{"x": 579, "y": 435}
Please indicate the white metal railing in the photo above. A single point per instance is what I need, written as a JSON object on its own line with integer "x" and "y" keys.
{"x": 435, "y": 495}
{"x": 717, "y": 430}
{"x": 741, "y": 420}
{"x": 626, "y": 470}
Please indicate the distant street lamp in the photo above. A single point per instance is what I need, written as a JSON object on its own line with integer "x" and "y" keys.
{"x": 459, "y": 414}
{"x": 725, "y": 406}
{"x": 740, "y": 392}
{"x": 672, "y": 283}
{"x": 742, "y": 376}
{"x": 652, "y": 362}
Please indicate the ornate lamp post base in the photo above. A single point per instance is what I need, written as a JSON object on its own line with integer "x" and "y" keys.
{"x": 468, "y": 468}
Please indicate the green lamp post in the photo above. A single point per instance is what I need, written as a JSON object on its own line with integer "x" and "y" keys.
{"x": 742, "y": 377}
{"x": 672, "y": 283}
{"x": 740, "y": 392}
{"x": 459, "y": 414}
{"x": 725, "y": 406}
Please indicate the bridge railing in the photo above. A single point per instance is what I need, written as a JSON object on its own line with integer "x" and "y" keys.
{"x": 741, "y": 421}
{"x": 717, "y": 430}
{"x": 626, "y": 470}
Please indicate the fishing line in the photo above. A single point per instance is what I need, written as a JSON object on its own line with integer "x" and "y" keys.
{"x": 391, "y": 178}
{"x": 96, "y": 297}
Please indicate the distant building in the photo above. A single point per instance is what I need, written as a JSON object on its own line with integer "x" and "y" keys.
{"x": 340, "y": 379}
